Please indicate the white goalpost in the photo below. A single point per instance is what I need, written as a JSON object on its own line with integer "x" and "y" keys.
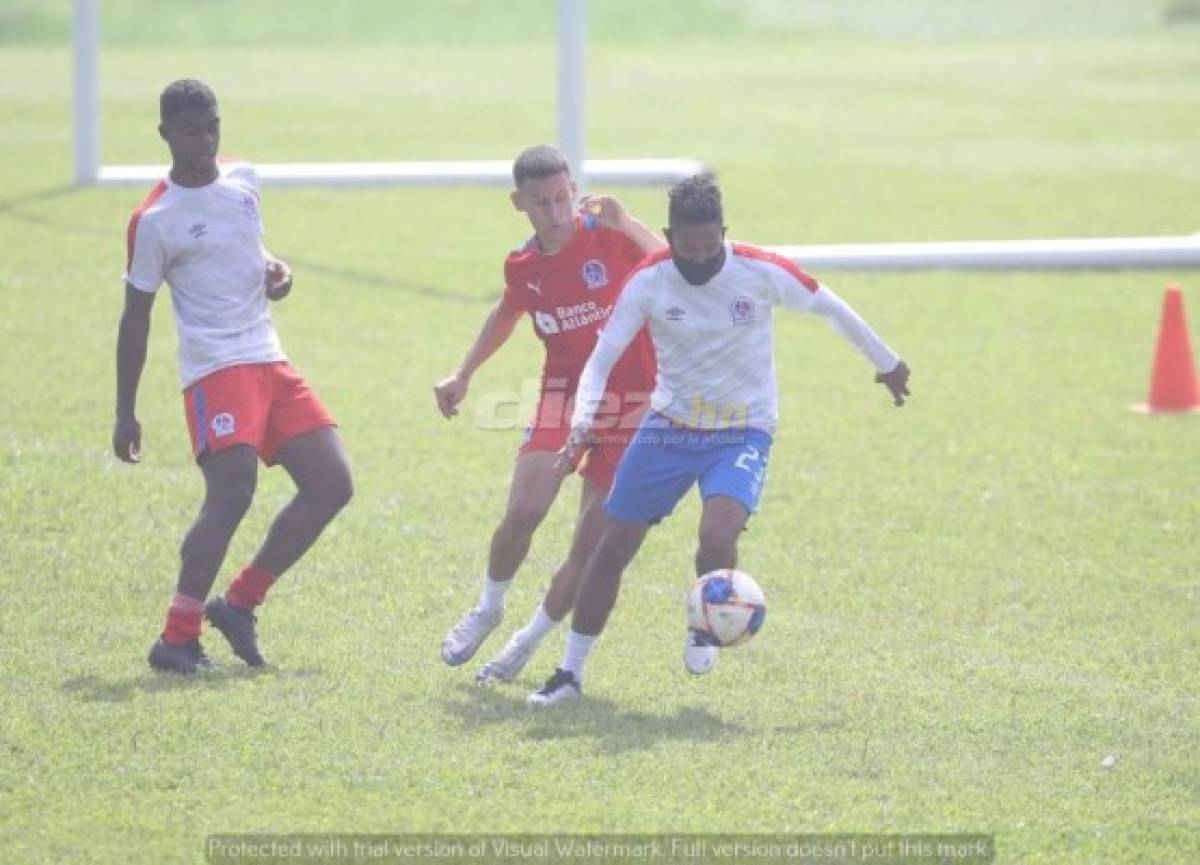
{"x": 1181, "y": 252}
{"x": 85, "y": 45}
{"x": 572, "y": 46}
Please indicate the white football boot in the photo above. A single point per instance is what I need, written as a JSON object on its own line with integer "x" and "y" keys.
{"x": 465, "y": 638}
{"x": 560, "y": 687}
{"x": 699, "y": 652}
{"x": 505, "y": 665}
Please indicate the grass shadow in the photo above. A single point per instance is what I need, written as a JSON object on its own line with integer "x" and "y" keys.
{"x": 612, "y": 728}
{"x": 379, "y": 280}
{"x": 96, "y": 689}
{"x": 11, "y": 208}
{"x": 9, "y": 204}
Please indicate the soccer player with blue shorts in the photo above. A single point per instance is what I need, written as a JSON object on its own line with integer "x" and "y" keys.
{"x": 709, "y": 305}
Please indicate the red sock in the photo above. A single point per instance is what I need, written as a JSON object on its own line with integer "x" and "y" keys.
{"x": 250, "y": 587}
{"x": 183, "y": 620}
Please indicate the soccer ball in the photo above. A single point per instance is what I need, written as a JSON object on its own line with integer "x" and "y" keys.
{"x": 727, "y": 605}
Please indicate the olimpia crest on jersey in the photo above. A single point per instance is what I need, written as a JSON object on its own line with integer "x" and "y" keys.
{"x": 742, "y": 310}
{"x": 595, "y": 274}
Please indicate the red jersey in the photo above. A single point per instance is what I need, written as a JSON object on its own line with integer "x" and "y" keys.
{"x": 569, "y": 296}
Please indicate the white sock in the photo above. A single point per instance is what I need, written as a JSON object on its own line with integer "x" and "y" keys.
{"x": 491, "y": 599}
{"x": 578, "y": 646}
{"x": 539, "y": 626}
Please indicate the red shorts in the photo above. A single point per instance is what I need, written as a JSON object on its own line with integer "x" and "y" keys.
{"x": 262, "y": 405}
{"x": 551, "y": 423}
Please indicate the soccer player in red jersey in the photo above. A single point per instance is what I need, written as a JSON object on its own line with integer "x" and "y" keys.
{"x": 567, "y": 278}
{"x": 200, "y": 231}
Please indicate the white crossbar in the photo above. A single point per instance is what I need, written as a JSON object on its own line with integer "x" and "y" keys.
{"x": 1080, "y": 253}
{"x": 606, "y": 172}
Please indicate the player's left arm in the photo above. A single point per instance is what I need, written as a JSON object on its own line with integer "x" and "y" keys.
{"x": 611, "y": 213}
{"x": 792, "y": 287}
{"x": 277, "y": 276}
{"x": 891, "y": 371}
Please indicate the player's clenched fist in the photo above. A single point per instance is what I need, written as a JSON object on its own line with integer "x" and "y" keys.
{"x": 449, "y": 392}
{"x": 127, "y": 440}
{"x": 278, "y": 279}
{"x": 578, "y": 441}
{"x": 896, "y": 382}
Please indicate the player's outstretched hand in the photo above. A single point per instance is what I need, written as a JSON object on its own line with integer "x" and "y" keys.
{"x": 578, "y": 442}
{"x": 606, "y": 210}
{"x": 278, "y": 279}
{"x": 449, "y": 392}
{"x": 127, "y": 440}
{"x": 896, "y": 382}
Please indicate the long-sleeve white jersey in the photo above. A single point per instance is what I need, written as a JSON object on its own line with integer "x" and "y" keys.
{"x": 715, "y": 342}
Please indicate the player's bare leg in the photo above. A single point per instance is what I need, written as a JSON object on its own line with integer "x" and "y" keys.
{"x": 230, "y": 477}
{"x": 597, "y": 596}
{"x": 535, "y": 484}
{"x": 601, "y": 579}
{"x": 560, "y": 597}
{"x": 319, "y": 467}
{"x": 721, "y": 524}
{"x": 589, "y": 527}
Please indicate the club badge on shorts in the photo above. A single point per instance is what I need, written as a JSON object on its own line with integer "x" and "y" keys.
{"x": 223, "y": 425}
{"x": 595, "y": 274}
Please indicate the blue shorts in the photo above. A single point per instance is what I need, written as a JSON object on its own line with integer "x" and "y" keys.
{"x": 664, "y": 460}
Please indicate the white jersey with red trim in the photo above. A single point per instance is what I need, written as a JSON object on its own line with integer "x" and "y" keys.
{"x": 715, "y": 342}
{"x": 206, "y": 243}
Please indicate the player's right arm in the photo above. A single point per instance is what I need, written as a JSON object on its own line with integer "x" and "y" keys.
{"x": 133, "y": 333}
{"x": 496, "y": 330}
{"x": 145, "y": 270}
{"x": 628, "y": 317}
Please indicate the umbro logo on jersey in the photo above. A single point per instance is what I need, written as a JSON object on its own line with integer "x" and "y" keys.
{"x": 535, "y": 287}
{"x": 595, "y": 274}
{"x": 198, "y": 230}
{"x": 675, "y": 313}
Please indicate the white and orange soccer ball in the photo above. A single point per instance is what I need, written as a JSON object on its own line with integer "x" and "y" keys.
{"x": 727, "y": 605}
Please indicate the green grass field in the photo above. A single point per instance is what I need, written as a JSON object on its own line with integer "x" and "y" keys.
{"x": 974, "y": 601}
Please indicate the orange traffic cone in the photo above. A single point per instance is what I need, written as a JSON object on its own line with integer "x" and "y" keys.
{"x": 1173, "y": 382}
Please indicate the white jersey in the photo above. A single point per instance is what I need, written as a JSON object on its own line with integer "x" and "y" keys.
{"x": 206, "y": 243}
{"x": 715, "y": 342}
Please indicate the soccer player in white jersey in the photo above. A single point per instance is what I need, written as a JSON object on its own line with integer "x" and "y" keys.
{"x": 200, "y": 231}
{"x": 709, "y": 304}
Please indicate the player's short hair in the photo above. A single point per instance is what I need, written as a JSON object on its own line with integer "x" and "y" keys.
{"x": 542, "y": 160}
{"x": 186, "y": 94}
{"x": 695, "y": 200}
